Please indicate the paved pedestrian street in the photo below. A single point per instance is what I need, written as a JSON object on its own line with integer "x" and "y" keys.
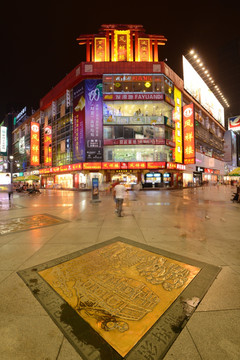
{"x": 162, "y": 282}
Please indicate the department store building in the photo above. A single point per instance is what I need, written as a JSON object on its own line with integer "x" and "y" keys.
{"x": 124, "y": 115}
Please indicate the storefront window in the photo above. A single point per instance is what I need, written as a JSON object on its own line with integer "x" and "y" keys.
{"x": 137, "y": 153}
{"x": 137, "y": 84}
{"x": 145, "y": 111}
{"x": 137, "y": 132}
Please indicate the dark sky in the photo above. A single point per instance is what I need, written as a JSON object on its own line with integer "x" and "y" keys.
{"x": 39, "y": 47}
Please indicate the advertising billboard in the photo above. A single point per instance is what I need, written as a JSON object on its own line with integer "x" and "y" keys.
{"x": 35, "y": 142}
{"x": 79, "y": 123}
{"x": 188, "y": 134}
{"x": 3, "y": 140}
{"x": 93, "y": 120}
{"x": 48, "y": 145}
{"x": 177, "y": 117}
{"x": 195, "y": 85}
{"x": 88, "y": 121}
{"x": 234, "y": 123}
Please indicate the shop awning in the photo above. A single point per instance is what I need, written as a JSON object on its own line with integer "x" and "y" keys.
{"x": 235, "y": 172}
{"x": 19, "y": 178}
{"x": 32, "y": 177}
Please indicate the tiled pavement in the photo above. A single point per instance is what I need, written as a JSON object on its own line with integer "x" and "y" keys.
{"x": 202, "y": 224}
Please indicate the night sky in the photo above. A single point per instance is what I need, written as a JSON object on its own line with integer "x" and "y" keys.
{"x": 39, "y": 47}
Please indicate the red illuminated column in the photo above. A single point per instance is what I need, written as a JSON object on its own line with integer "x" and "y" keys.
{"x": 151, "y": 50}
{"x": 155, "y": 51}
{"x": 107, "y": 46}
{"x": 131, "y": 46}
{"x": 112, "y": 46}
{"x": 136, "y": 47}
{"x": 88, "y": 56}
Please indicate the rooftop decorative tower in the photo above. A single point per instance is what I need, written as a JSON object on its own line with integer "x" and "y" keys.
{"x": 121, "y": 43}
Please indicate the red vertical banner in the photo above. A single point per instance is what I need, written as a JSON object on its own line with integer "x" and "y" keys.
{"x": 100, "y": 49}
{"x": 189, "y": 134}
{"x": 35, "y": 144}
{"x": 143, "y": 49}
{"x": 48, "y": 145}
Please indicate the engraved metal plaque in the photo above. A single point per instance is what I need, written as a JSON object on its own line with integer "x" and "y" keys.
{"x": 28, "y": 223}
{"x": 120, "y": 299}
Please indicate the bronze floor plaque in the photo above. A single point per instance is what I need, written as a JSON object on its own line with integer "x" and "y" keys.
{"x": 120, "y": 299}
{"x": 28, "y": 223}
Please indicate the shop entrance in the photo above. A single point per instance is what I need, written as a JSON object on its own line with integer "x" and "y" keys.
{"x": 128, "y": 179}
{"x": 153, "y": 179}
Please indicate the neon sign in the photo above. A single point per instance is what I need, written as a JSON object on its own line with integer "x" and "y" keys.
{"x": 188, "y": 134}
{"x": 48, "y": 146}
{"x": 35, "y": 158}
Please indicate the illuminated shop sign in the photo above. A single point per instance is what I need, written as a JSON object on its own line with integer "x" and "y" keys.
{"x": 92, "y": 166}
{"x": 111, "y": 165}
{"x": 156, "y": 165}
{"x": 20, "y": 116}
{"x": 134, "y": 142}
{"x": 48, "y": 145}
{"x": 171, "y": 165}
{"x": 130, "y": 78}
{"x": 195, "y": 85}
{"x": 234, "y": 123}
{"x": 35, "y": 142}
{"x": 3, "y": 139}
{"x": 136, "y": 165}
{"x": 177, "y": 117}
{"x": 133, "y": 165}
{"x": 132, "y": 96}
{"x": 188, "y": 134}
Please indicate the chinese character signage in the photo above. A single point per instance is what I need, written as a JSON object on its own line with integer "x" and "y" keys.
{"x": 35, "y": 141}
{"x": 143, "y": 49}
{"x": 121, "y": 45}
{"x": 93, "y": 120}
{"x": 79, "y": 123}
{"x": 177, "y": 117}
{"x": 188, "y": 134}
{"x": 100, "y": 49}
{"x": 3, "y": 139}
{"x": 48, "y": 145}
{"x": 111, "y": 165}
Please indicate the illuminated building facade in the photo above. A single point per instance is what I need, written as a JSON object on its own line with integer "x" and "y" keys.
{"x": 119, "y": 116}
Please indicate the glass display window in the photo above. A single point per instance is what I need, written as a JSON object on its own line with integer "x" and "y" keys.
{"x": 140, "y": 109}
{"x": 137, "y": 132}
{"x": 137, "y": 153}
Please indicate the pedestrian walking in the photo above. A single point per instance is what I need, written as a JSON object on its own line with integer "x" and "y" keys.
{"x": 119, "y": 191}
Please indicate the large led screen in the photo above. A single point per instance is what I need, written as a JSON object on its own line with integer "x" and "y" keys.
{"x": 195, "y": 85}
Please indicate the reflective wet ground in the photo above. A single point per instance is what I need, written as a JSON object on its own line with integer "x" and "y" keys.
{"x": 202, "y": 224}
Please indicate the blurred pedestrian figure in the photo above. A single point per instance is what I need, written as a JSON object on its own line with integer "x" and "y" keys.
{"x": 10, "y": 191}
{"x": 113, "y": 192}
{"x": 119, "y": 191}
{"x": 135, "y": 188}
